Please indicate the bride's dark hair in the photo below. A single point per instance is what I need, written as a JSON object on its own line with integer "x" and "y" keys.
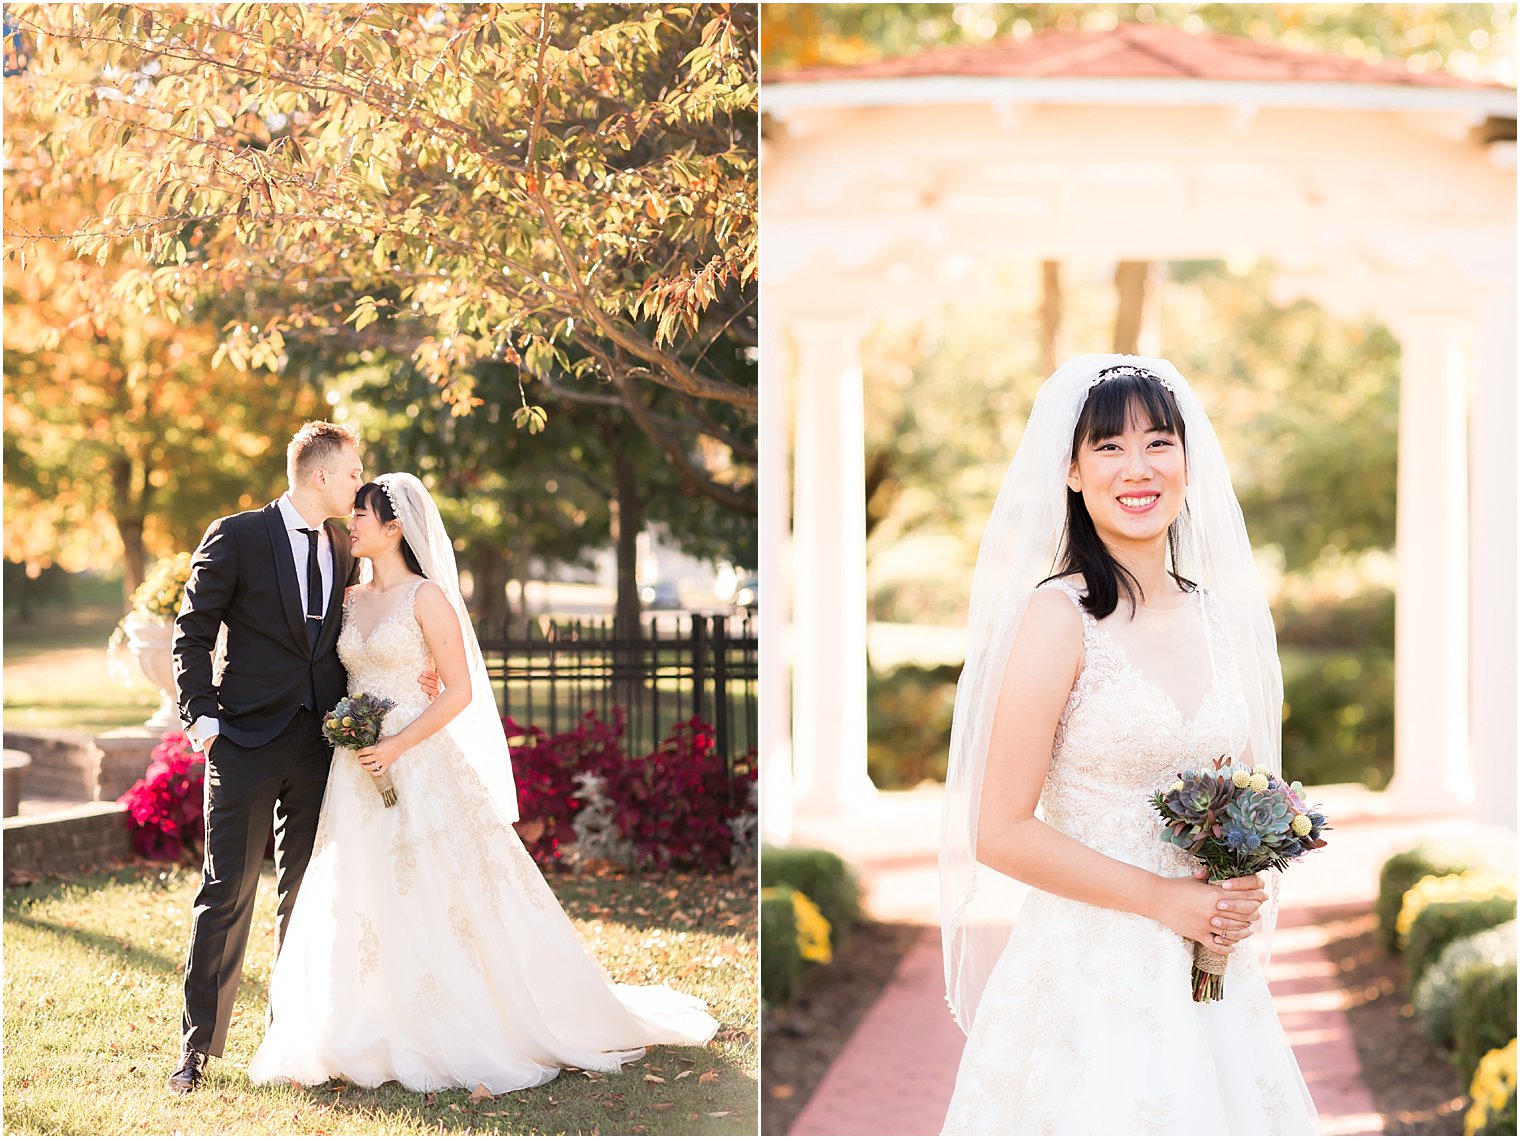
{"x": 1127, "y": 396}
{"x": 372, "y": 497}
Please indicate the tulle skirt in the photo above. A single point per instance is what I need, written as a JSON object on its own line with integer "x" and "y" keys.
{"x": 1088, "y": 1027}
{"x": 425, "y": 947}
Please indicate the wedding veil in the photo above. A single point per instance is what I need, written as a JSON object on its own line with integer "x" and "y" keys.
{"x": 477, "y": 730}
{"x": 1019, "y": 550}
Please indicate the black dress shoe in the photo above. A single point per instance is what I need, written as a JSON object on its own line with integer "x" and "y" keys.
{"x": 191, "y": 1066}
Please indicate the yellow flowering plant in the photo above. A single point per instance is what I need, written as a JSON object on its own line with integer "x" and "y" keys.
{"x": 1434, "y": 888}
{"x": 162, "y": 589}
{"x": 1492, "y": 1111}
{"x": 812, "y": 930}
{"x": 156, "y": 600}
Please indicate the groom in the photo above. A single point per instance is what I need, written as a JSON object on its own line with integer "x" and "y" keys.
{"x": 275, "y": 577}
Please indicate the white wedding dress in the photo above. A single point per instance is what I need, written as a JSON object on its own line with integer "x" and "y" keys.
{"x": 1087, "y": 1025}
{"x": 425, "y": 946}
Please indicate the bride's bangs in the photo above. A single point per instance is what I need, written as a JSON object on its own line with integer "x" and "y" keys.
{"x": 368, "y": 496}
{"x": 1113, "y": 405}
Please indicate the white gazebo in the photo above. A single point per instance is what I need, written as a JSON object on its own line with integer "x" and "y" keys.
{"x": 1375, "y": 190}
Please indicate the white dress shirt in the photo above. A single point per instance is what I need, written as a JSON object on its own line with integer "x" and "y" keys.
{"x": 206, "y": 727}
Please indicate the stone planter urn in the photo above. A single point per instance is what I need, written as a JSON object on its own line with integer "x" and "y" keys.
{"x": 151, "y": 640}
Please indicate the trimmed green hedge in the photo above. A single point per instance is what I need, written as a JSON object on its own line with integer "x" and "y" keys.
{"x": 1441, "y": 923}
{"x": 1338, "y": 709}
{"x": 780, "y": 956}
{"x": 820, "y": 874}
{"x": 908, "y": 713}
{"x": 1435, "y": 997}
{"x": 1485, "y": 1015}
{"x": 1406, "y": 868}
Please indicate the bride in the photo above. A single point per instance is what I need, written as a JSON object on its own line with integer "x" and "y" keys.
{"x": 426, "y": 947}
{"x": 1149, "y": 651}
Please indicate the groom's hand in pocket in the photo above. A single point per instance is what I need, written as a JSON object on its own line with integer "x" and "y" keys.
{"x": 428, "y": 682}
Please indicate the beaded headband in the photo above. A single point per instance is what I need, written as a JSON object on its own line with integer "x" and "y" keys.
{"x": 386, "y": 486}
{"x": 1128, "y": 370}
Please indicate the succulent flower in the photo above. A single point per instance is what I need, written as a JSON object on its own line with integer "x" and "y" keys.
{"x": 1261, "y": 813}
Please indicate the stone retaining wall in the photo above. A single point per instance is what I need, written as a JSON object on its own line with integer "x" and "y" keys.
{"x": 77, "y": 838}
{"x": 65, "y": 765}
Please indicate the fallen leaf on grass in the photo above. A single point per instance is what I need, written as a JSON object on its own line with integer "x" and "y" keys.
{"x": 708, "y": 1077}
{"x": 429, "y": 1099}
{"x": 661, "y": 1106}
{"x": 650, "y": 1078}
{"x": 683, "y": 1075}
{"x": 719, "y": 1114}
{"x": 480, "y": 1093}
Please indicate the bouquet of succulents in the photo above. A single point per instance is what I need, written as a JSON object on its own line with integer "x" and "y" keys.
{"x": 354, "y": 723}
{"x": 1236, "y": 821}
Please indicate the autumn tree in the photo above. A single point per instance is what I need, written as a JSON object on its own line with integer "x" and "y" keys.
{"x": 570, "y": 190}
{"x": 121, "y": 439}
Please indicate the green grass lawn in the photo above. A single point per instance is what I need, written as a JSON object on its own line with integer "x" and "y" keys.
{"x": 92, "y": 1009}
{"x": 56, "y": 674}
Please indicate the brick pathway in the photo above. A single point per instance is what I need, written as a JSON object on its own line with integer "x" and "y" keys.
{"x": 895, "y": 1074}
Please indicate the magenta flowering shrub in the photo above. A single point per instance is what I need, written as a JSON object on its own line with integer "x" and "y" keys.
{"x": 676, "y": 805}
{"x": 544, "y": 767}
{"x": 164, "y": 806}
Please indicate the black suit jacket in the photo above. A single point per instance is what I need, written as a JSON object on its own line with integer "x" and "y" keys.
{"x": 242, "y": 575}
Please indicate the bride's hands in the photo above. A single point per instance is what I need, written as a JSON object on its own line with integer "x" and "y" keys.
{"x": 1220, "y": 916}
{"x": 377, "y": 760}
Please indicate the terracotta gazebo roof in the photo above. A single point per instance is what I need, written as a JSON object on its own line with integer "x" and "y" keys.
{"x": 1135, "y": 52}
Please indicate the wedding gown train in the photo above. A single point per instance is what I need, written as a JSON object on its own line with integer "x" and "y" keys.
{"x": 1087, "y": 1025}
{"x": 425, "y": 946}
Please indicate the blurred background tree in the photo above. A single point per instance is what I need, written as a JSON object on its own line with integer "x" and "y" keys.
{"x": 1472, "y": 40}
{"x": 521, "y": 212}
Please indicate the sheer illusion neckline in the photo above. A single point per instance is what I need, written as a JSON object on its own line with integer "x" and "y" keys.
{"x": 1126, "y": 666}
{"x": 1131, "y": 670}
{"x": 404, "y": 604}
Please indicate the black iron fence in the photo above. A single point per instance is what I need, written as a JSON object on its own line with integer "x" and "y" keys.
{"x": 552, "y": 672}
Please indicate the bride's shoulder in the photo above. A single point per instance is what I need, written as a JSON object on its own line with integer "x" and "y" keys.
{"x": 429, "y": 597}
{"x": 1053, "y": 614}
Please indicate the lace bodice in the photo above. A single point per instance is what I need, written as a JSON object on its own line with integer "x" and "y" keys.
{"x": 1121, "y": 736}
{"x": 384, "y": 651}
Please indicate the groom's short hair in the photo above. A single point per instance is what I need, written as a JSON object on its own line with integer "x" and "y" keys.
{"x": 317, "y": 443}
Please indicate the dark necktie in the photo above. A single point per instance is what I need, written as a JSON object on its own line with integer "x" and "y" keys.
{"x": 313, "y": 590}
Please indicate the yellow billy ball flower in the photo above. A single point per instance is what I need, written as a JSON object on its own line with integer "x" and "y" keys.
{"x": 1177, "y": 786}
{"x": 1241, "y": 779}
{"x": 1261, "y": 768}
{"x": 1302, "y": 825}
{"x": 1258, "y": 782}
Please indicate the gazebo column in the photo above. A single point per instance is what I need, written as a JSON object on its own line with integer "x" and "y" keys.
{"x": 1495, "y": 566}
{"x": 775, "y": 746}
{"x": 1431, "y": 765}
{"x": 828, "y": 634}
